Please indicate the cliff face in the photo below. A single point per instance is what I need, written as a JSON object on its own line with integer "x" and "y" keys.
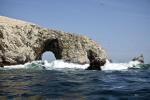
{"x": 22, "y": 42}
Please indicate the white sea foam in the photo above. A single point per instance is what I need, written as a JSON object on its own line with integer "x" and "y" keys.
{"x": 56, "y": 64}
{"x": 119, "y": 66}
{"x": 60, "y": 64}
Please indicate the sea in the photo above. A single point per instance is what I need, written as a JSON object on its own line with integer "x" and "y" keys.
{"x": 59, "y": 80}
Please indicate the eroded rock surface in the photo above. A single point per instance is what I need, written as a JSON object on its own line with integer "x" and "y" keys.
{"x": 22, "y": 42}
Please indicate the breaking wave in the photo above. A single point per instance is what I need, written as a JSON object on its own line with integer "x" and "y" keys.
{"x": 45, "y": 65}
{"x": 60, "y": 64}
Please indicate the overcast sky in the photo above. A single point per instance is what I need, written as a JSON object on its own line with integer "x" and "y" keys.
{"x": 122, "y": 27}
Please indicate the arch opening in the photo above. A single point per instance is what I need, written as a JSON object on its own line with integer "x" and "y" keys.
{"x": 55, "y": 47}
{"x": 48, "y": 55}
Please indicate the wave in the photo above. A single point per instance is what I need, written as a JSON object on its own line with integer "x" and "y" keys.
{"x": 45, "y": 65}
{"x": 60, "y": 64}
{"x": 120, "y": 66}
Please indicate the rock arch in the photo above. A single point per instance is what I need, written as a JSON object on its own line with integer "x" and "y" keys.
{"x": 23, "y": 42}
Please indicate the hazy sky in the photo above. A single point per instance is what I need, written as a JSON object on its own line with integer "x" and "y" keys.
{"x": 122, "y": 27}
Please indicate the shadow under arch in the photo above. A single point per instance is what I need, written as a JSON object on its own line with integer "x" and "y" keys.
{"x": 52, "y": 48}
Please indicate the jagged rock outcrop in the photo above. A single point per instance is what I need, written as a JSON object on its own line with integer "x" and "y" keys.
{"x": 139, "y": 58}
{"x": 22, "y": 42}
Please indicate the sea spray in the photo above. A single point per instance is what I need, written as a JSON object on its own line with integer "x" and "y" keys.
{"x": 45, "y": 65}
{"x": 60, "y": 64}
{"x": 120, "y": 66}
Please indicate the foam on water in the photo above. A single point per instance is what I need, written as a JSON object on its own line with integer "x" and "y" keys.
{"x": 120, "y": 66}
{"x": 60, "y": 64}
{"x": 56, "y": 64}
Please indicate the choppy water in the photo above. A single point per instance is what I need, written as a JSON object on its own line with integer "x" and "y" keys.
{"x": 75, "y": 84}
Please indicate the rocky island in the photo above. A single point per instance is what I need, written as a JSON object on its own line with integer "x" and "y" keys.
{"x": 22, "y": 42}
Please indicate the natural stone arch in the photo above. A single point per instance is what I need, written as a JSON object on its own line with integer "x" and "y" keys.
{"x": 25, "y": 42}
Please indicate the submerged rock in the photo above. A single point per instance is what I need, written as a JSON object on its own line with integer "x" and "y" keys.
{"x": 21, "y": 42}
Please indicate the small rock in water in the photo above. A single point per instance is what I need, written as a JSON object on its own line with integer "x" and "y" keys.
{"x": 140, "y": 58}
{"x": 96, "y": 64}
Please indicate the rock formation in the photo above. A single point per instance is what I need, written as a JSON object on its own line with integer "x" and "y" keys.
{"x": 21, "y": 42}
{"x": 139, "y": 58}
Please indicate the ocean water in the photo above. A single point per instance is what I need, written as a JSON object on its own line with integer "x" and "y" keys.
{"x": 65, "y": 81}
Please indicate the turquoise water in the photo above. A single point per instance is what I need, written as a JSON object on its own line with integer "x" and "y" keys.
{"x": 75, "y": 84}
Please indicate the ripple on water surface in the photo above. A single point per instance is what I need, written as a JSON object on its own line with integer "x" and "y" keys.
{"x": 74, "y": 84}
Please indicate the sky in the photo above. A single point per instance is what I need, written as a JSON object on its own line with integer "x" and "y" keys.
{"x": 122, "y": 27}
